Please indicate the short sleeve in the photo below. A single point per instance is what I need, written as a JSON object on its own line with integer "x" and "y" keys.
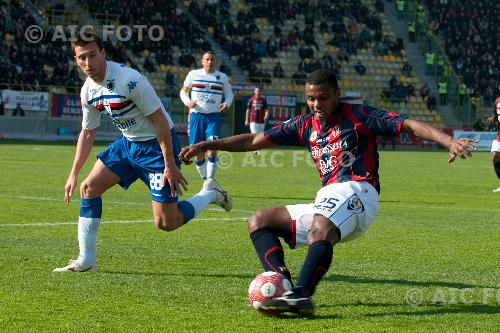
{"x": 91, "y": 116}
{"x": 286, "y": 134}
{"x": 380, "y": 122}
{"x": 144, "y": 96}
{"x": 188, "y": 82}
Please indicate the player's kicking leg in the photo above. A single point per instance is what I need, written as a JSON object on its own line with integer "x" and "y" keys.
{"x": 97, "y": 182}
{"x": 169, "y": 216}
{"x": 351, "y": 207}
{"x": 265, "y": 228}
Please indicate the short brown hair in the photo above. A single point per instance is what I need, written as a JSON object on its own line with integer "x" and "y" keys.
{"x": 85, "y": 38}
{"x": 210, "y": 52}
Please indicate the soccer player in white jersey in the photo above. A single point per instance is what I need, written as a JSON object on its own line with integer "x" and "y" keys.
{"x": 148, "y": 150}
{"x": 202, "y": 93}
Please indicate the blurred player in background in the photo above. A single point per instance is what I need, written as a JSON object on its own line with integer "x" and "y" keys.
{"x": 495, "y": 145}
{"x": 342, "y": 140}
{"x": 147, "y": 151}
{"x": 257, "y": 112}
{"x": 202, "y": 94}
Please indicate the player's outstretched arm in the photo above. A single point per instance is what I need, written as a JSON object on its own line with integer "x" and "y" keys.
{"x": 242, "y": 142}
{"x": 83, "y": 148}
{"x": 457, "y": 147}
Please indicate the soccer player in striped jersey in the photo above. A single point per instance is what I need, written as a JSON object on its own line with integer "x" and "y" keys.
{"x": 203, "y": 93}
{"x": 342, "y": 140}
{"x": 148, "y": 150}
{"x": 257, "y": 112}
{"x": 495, "y": 145}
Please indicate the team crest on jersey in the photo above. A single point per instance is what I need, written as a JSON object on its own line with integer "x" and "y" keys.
{"x": 314, "y": 136}
{"x": 111, "y": 85}
{"x": 356, "y": 205}
{"x": 218, "y": 77}
{"x": 335, "y": 132}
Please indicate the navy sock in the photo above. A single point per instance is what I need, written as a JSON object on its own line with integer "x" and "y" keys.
{"x": 270, "y": 251}
{"x": 496, "y": 165}
{"x": 317, "y": 263}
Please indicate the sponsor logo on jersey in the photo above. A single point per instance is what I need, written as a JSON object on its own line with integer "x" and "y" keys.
{"x": 317, "y": 152}
{"x": 314, "y": 136}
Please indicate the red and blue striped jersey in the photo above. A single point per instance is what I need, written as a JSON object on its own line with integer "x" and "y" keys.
{"x": 344, "y": 148}
{"x": 257, "y": 107}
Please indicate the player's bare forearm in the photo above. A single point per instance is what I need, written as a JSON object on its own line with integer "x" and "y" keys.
{"x": 458, "y": 147}
{"x": 163, "y": 136}
{"x": 171, "y": 174}
{"x": 83, "y": 148}
{"x": 426, "y": 131}
{"x": 242, "y": 142}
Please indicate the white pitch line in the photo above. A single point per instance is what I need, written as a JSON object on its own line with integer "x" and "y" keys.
{"x": 115, "y": 203}
{"x": 53, "y": 224}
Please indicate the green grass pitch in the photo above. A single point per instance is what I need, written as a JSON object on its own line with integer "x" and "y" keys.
{"x": 429, "y": 263}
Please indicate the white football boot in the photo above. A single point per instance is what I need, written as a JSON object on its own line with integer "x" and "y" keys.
{"x": 75, "y": 267}
{"x": 223, "y": 198}
{"x": 496, "y": 190}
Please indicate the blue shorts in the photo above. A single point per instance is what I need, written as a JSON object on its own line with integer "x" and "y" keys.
{"x": 141, "y": 159}
{"x": 204, "y": 127}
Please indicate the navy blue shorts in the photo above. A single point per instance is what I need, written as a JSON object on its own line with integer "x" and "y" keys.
{"x": 141, "y": 159}
{"x": 204, "y": 127}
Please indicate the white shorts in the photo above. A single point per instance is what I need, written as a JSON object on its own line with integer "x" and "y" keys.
{"x": 257, "y": 127}
{"x": 495, "y": 146}
{"x": 351, "y": 206}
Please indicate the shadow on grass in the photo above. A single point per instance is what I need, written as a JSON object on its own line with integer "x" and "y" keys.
{"x": 202, "y": 275}
{"x": 264, "y": 197}
{"x": 367, "y": 280}
{"x": 443, "y": 310}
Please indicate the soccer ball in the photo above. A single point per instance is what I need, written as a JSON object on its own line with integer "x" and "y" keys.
{"x": 266, "y": 286}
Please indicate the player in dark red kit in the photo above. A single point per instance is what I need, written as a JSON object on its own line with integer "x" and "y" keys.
{"x": 342, "y": 140}
{"x": 495, "y": 145}
{"x": 257, "y": 112}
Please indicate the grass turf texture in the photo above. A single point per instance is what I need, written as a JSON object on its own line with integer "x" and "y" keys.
{"x": 435, "y": 242}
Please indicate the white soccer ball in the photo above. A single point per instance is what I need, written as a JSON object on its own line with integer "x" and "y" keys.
{"x": 266, "y": 286}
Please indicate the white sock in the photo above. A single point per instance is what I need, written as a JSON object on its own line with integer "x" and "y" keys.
{"x": 201, "y": 200}
{"x": 211, "y": 167}
{"x": 201, "y": 166}
{"x": 87, "y": 239}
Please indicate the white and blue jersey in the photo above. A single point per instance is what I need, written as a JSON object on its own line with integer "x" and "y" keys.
{"x": 208, "y": 91}
{"x": 128, "y": 98}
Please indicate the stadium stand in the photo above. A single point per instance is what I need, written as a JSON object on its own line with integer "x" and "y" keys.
{"x": 275, "y": 43}
{"x": 470, "y": 31}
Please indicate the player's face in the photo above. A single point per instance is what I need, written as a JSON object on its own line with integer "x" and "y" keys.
{"x": 257, "y": 92}
{"x": 322, "y": 99}
{"x": 91, "y": 61}
{"x": 208, "y": 62}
